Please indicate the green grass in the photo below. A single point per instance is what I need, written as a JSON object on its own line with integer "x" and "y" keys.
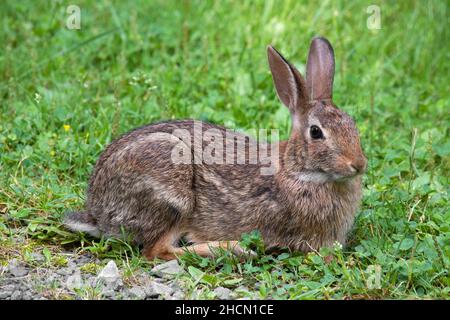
{"x": 65, "y": 94}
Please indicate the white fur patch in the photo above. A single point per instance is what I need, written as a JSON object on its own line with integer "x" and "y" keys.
{"x": 313, "y": 176}
{"x": 314, "y": 121}
{"x": 83, "y": 227}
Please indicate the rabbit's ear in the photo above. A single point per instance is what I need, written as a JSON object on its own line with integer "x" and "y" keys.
{"x": 288, "y": 81}
{"x": 320, "y": 70}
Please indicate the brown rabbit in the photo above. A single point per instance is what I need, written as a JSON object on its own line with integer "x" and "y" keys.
{"x": 308, "y": 202}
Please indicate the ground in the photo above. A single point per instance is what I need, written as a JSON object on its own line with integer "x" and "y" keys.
{"x": 66, "y": 93}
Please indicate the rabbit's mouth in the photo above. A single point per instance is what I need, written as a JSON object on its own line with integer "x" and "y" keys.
{"x": 343, "y": 177}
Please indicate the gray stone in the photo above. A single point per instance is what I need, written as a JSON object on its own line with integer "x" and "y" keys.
{"x": 38, "y": 257}
{"x": 83, "y": 260}
{"x": 175, "y": 286}
{"x": 4, "y": 294}
{"x": 27, "y": 295}
{"x": 16, "y": 295}
{"x": 110, "y": 276}
{"x": 72, "y": 266}
{"x": 118, "y": 285}
{"x": 108, "y": 292}
{"x": 222, "y": 293}
{"x": 8, "y": 287}
{"x": 177, "y": 295}
{"x": 50, "y": 279}
{"x": 91, "y": 281}
{"x": 64, "y": 271}
{"x": 169, "y": 268}
{"x": 74, "y": 281}
{"x": 137, "y": 293}
{"x": 17, "y": 269}
{"x": 155, "y": 289}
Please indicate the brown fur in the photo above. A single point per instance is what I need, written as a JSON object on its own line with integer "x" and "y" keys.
{"x": 308, "y": 203}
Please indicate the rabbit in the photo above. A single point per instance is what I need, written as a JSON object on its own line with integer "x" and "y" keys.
{"x": 309, "y": 202}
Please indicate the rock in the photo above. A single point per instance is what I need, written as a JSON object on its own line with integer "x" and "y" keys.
{"x": 109, "y": 272}
{"x": 137, "y": 292}
{"x": 83, "y": 260}
{"x": 110, "y": 276}
{"x": 38, "y": 257}
{"x": 91, "y": 281}
{"x": 50, "y": 279}
{"x": 108, "y": 292}
{"x": 9, "y": 287}
{"x": 74, "y": 281}
{"x": 4, "y": 294}
{"x": 169, "y": 268}
{"x": 17, "y": 269}
{"x": 155, "y": 289}
{"x": 64, "y": 271}
{"x": 72, "y": 266}
{"x": 178, "y": 295}
{"x": 175, "y": 286}
{"x": 27, "y": 295}
{"x": 222, "y": 293}
{"x": 16, "y": 295}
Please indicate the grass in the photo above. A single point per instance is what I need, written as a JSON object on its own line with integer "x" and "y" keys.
{"x": 65, "y": 94}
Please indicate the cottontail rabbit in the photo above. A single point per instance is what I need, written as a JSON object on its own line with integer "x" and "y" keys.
{"x": 308, "y": 202}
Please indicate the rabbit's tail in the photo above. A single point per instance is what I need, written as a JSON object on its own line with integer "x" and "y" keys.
{"x": 81, "y": 221}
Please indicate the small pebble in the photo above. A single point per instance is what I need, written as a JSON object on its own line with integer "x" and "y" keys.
{"x": 158, "y": 289}
{"x": 222, "y": 293}
{"x": 169, "y": 268}
{"x": 74, "y": 281}
{"x": 17, "y": 269}
{"x": 16, "y": 295}
{"x": 137, "y": 293}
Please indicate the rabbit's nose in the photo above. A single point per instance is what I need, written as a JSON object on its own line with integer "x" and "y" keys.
{"x": 359, "y": 165}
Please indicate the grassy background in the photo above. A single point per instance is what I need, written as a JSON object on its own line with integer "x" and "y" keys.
{"x": 65, "y": 94}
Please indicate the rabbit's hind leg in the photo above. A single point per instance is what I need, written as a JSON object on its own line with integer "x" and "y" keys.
{"x": 210, "y": 249}
{"x": 207, "y": 249}
{"x": 165, "y": 248}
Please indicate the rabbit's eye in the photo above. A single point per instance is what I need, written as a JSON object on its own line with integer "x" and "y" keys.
{"x": 315, "y": 132}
